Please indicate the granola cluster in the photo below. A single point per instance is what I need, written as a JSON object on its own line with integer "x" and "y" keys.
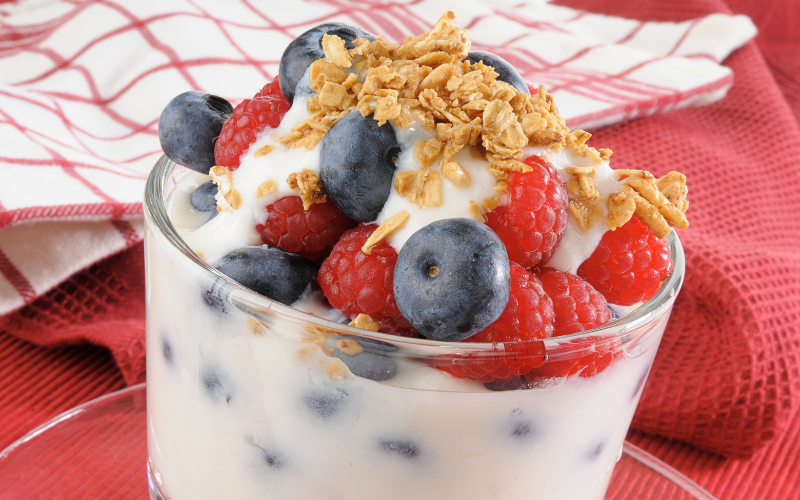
{"x": 426, "y": 80}
{"x": 310, "y": 187}
{"x": 231, "y": 199}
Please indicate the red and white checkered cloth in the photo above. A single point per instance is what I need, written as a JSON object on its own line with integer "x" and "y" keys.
{"x": 82, "y": 84}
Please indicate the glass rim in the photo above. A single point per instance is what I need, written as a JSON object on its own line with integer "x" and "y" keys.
{"x": 156, "y": 214}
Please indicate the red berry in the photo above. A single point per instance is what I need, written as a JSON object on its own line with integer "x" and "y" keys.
{"x": 251, "y": 116}
{"x": 528, "y": 316}
{"x": 577, "y": 305}
{"x": 628, "y": 265}
{"x": 532, "y": 222}
{"x": 357, "y": 283}
{"x": 601, "y": 353}
{"x": 310, "y": 233}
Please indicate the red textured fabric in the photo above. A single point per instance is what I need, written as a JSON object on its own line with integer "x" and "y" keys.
{"x": 101, "y": 305}
{"x": 726, "y": 376}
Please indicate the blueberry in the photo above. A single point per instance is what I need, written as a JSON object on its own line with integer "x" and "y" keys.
{"x": 278, "y": 275}
{"x": 595, "y": 451}
{"x": 166, "y": 349}
{"x": 514, "y": 383}
{"x": 402, "y": 448}
{"x": 203, "y": 198}
{"x": 503, "y": 68}
{"x": 451, "y": 279}
{"x": 357, "y": 165}
{"x": 522, "y": 430}
{"x": 326, "y": 404}
{"x": 272, "y": 458}
{"x": 213, "y": 298}
{"x": 371, "y": 363}
{"x": 307, "y": 48}
{"x": 217, "y": 386}
{"x": 188, "y": 127}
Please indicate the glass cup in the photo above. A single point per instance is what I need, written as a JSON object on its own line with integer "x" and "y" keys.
{"x": 250, "y": 399}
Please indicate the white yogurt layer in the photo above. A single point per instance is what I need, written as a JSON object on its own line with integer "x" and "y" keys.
{"x": 231, "y": 230}
{"x": 241, "y": 409}
{"x": 238, "y": 409}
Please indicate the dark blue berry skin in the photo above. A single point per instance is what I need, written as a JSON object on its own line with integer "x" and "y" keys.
{"x": 326, "y": 405}
{"x": 522, "y": 430}
{"x": 307, "y": 48}
{"x": 166, "y": 349}
{"x": 202, "y": 198}
{"x": 188, "y": 127}
{"x": 451, "y": 279}
{"x": 513, "y": 384}
{"x": 213, "y": 297}
{"x": 217, "y": 386}
{"x": 595, "y": 451}
{"x": 357, "y": 165}
{"x": 273, "y": 458}
{"x": 371, "y": 363}
{"x": 503, "y": 68}
{"x": 401, "y": 448}
{"x": 278, "y": 275}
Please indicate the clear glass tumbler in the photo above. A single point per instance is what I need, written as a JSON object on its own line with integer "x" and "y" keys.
{"x": 250, "y": 399}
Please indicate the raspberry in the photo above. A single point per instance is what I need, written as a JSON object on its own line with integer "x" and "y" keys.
{"x": 531, "y": 223}
{"x": 356, "y": 283}
{"x": 251, "y": 116}
{"x": 310, "y": 233}
{"x": 577, "y": 305}
{"x": 628, "y": 265}
{"x": 527, "y": 316}
{"x": 600, "y": 357}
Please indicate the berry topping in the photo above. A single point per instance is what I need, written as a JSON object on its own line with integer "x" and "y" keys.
{"x": 188, "y": 127}
{"x": 310, "y": 233}
{"x": 628, "y": 265}
{"x": 532, "y": 222}
{"x": 504, "y": 69}
{"x": 357, "y": 165}
{"x": 527, "y": 316}
{"x": 307, "y": 48}
{"x": 601, "y": 353}
{"x": 251, "y": 116}
{"x": 451, "y": 279}
{"x": 203, "y": 198}
{"x": 576, "y": 304}
{"x": 357, "y": 283}
{"x": 273, "y": 273}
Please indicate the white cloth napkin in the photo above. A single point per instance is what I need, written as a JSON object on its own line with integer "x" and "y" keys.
{"x": 82, "y": 85}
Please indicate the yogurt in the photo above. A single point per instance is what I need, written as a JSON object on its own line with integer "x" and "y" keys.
{"x": 242, "y": 405}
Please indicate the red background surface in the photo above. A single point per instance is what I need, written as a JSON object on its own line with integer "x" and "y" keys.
{"x": 37, "y": 383}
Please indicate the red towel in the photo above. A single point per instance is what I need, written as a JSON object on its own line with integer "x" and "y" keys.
{"x": 727, "y": 375}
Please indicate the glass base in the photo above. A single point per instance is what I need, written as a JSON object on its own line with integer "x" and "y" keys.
{"x": 99, "y": 449}
{"x": 152, "y": 485}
